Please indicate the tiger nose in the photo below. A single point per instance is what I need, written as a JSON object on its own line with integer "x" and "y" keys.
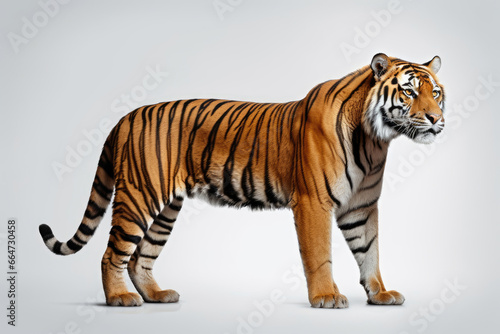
{"x": 433, "y": 117}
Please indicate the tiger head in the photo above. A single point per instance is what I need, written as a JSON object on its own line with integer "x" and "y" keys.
{"x": 405, "y": 99}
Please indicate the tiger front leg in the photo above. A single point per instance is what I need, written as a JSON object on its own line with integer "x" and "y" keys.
{"x": 360, "y": 229}
{"x": 313, "y": 224}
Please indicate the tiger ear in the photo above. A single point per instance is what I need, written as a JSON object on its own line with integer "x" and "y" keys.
{"x": 434, "y": 64}
{"x": 380, "y": 64}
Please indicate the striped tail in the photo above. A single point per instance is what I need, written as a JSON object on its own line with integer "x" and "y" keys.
{"x": 100, "y": 196}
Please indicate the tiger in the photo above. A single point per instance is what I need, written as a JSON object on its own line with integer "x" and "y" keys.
{"x": 322, "y": 156}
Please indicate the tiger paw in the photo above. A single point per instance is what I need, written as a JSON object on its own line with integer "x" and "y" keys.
{"x": 330, "y": 300}
{"x": 163, "y": 296}
{"x": 386, "y": 298}
{"x": 125, "y": 299}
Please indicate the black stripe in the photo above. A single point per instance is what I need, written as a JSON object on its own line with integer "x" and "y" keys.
{"x": 321, "y": 265}
{"x": 153, "y": 241}
{"x": 116, "y": 250}
{"x": 125, "y": 236}
{"x": 77, "y": 239}
{"x": 351, "y": 239}
{"x": 356, "y": 147}
{"x": 350, "y": 226}
{"x": 101, "y": 189}
{"x": 166, "y": 219}
{"x": 377, "y": 168}
{"x": 93, "y": 210}
{"x": 175, "y": 207}
{"x": 269, "y": 190}
{"x": 57, "y": 248}
{"x": 161, "y": 232}
{"x": 86, "y": 230}
{"x": 162, "y": 225}
{"x": 158, "y": 150}
{"x": 386, "y": 93}
{"x": 347, "y": 175}
{"x": 227, "y": 186}
{"x": 105, "y": 163}
{"x": 363, "y": 249}
{"x": 114, "y": 265}
{"x": 368, "y": 157}
{"x": 330, "y": 193}
{"x": 371, "y": 185}
{"x": 357, "y": 208}
{"x": 73, "y": 246}
{"x": 153, "y": 257}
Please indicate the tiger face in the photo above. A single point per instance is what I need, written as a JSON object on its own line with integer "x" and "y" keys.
{"x": 406, "y": 99}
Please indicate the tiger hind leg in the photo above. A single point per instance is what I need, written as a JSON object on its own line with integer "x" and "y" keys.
{"x": 140, "y": 266}
{"x": 124, "y": 237}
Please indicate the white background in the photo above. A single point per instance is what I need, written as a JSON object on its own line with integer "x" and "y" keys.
{"x": 438, "y": 219}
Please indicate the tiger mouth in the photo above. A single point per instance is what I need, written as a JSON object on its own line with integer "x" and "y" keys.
{"x": 410, "y": 130}
{"x": 434, "y": 132}
{"x": 431, "y": 131}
